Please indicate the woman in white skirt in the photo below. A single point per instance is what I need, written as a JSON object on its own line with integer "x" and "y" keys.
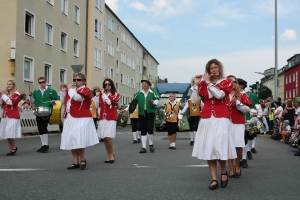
{"x": 79, "y": 130}
{"x": 213, "y": 140}
{"x": 108, "y": 98}
{"x": 10, "y": 126}
{"x": 238, "y": 105}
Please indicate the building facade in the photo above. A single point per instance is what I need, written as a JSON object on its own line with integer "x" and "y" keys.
{"x": 126, "y": 60}
{"x": 44, "y": 39}
{"x": 291, "y": 77}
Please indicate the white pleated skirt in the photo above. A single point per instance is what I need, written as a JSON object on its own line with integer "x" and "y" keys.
{"x": 107, "y": 128}
{"x": 238, "y": 132}
{"x": 10, "y": 128}
{"x": 213, "y": 140}
{"x": 78, "y": 133}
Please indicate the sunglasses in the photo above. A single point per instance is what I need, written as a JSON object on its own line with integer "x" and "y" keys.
{"x": 234, "y": 81}
{"x": 107, "y": 84}
{"x": 77, "y": 79}
{"x": 41, "y": 82}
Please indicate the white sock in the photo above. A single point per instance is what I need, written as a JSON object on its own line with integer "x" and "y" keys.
{"x": 150, "y": 139}
{"x": 253, "y": 143}
{"x": 173, "y": 144}
{"x": 245, "y": 152}
{"x": 134, "y": 135}
{"x": 138, "y": 134}
{"x": 46, "y": 139}
{"x": 192, "y": 135}
{"x": 249, "y": 145}
{"x": 144, "y": 141}
{"x": 42, "y": 140}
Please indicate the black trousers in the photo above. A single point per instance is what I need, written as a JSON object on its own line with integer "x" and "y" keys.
{"x": 194, "y": 122}
{"x": 135, "y": 125}
{"x": 146, "y": 123}
{"x": 42, "y": 124}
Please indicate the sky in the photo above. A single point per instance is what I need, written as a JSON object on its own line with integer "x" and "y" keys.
{"x": 183, "y": 35}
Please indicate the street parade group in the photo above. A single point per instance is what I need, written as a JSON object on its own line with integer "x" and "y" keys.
{"x": 223, "y": 119}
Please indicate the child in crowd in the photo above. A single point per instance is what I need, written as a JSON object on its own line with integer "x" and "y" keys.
{"x": 286, "y": 129}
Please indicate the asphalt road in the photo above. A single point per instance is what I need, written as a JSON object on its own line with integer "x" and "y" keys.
{"x": 273, "y": 172}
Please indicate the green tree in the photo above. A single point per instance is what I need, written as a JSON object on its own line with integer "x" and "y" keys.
{"x": 266, "y": 92}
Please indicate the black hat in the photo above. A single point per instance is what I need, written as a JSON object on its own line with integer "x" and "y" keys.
{"x": 146, "y": 82}
{"x": 242, "y": 82}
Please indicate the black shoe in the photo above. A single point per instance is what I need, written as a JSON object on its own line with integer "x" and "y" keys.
{"x": 192, "y": 143}
{"x": 224, "y": 183}
{"x": 249, "y": 155}
{"x": 134, "y": 141}
{"x": 297, "y": 153}
{"x": 213, "y": 187}
{"x": 231, "y": 175}
{"x": 109, "y": 161}
{"x": 139, "y": 140}
{"x": 101, "y": 140}
{"x": 253, "y": 150}
{"x": 45, "y": 149}
{"x": 151, "y": 148}
{"x": 40, "y": 149}
{"x": 143, "y": 150}
{"x": 170, "y": 147}
{"x": 238, "y": 174}
{"x": 74, "y": 166}
{"x": 174, "y": 147}
{"x": 82, "y": 164}
{"x": 244, "y": 163}
{"x": 12, "y": 152}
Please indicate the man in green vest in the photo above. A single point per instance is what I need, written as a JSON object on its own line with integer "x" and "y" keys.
{"x": 43, "y": 96}
{"x": 147, "y": 101}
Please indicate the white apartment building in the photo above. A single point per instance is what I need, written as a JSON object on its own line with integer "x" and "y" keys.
{"x": 41, "y": 38}
{"x": 126, "y": 60}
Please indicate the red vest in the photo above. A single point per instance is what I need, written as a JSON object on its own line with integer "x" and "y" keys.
{"x": 213, "y": 106}
{"x": 12, "y": 111}
{"x": 236, "y": 116}
{"x": 109, "y": 112}
{"x": 82, "y": 108}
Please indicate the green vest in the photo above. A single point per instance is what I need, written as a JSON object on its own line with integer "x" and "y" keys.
{"x": 255, "y": 100}
{"x": 44, "y": 100}
{"x": 144, "y": 103}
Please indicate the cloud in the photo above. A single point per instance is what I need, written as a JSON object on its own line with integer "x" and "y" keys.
{"x": 113, "y": 4}
{"x": 143, "y": 25}
{"x": 165, "y": 8}
{"x": 242, "y": 64}
{"x": 288, "y": 35}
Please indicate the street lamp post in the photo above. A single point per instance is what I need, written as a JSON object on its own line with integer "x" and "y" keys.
{"x": 276, "y": 55}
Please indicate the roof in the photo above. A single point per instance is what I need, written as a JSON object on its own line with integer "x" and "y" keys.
{"x": 181, "y": 88}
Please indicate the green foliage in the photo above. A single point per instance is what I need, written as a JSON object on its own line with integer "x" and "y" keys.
{"x": 264, "y": 92}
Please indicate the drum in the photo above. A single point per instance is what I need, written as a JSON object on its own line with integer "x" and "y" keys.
{"x": 184, "y": 125}
{"x": 122, "y": 119}
{"x": 253, "y": 125}
{"x": 55, "y": 118}
{"x": 42, "y": 111}
{"x": 159, "y": 117}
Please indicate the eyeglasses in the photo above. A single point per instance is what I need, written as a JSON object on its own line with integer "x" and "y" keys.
{"x": 107, "y": 84}
{"x": 234, "y": 81}
{"x": 77, "y": 79}
{"x": 41, "y": 82}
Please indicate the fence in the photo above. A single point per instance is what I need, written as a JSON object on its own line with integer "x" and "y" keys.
{"x": 28, "y": 122}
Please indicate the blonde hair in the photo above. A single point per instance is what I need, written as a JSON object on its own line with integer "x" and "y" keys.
{"x": 81, "y": 75}
{"x": 236, "y": 89}
{"x": 15, "y": 87}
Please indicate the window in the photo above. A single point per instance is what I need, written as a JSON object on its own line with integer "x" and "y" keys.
{"x": 133, "y": 65}
{"x": 141, "y": 69}
{"x": 76, "y": 47}
{"x": 110, "y": 73}
{"x": 122, "y": 79}
{"x": 100, "y": 30}
{"x": 98, "y": 4}
{"x": 286, "y": 80}
{"x": 48, "y": 73}
{"x": 76, "y": 14}
{"x": 128, "y": 80}
{"x": 111, "y": 49}
{"x": 290, "y": 79}
{"x": 29, "y": 24}
{"x": 63, "y": 41}
{"x": 63, "y": 76}
{"x": 117, "y": 67}
{"x": 118, "y": 44}
{"x": 294, "y": 75}
{"x": 51, "y": 2}
{"x": 133, "y": 46}
{"x": 96, "y": 28}
{"x": 48, "y": 33}
{"x": 28, "y": 69}
{"x": 97, "y": 58}
{"x": 118, "y": 28}
{"x": 117, "y": 86}
{"x": 294, "y": 93}
{"x": 111, "y": 25}
{"x": 132, "y": 83}
{"x": 64, "y": 7}
{"x": 290, "y": 92}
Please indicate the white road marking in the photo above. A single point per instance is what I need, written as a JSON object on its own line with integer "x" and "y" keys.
{"x": 144, "y": 166}
{"x": 19, "y": 170}
{"x": 203, "y": 165}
